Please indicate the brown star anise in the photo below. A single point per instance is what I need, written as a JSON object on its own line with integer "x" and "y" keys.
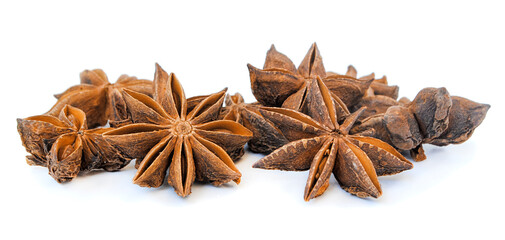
{"x": 233, "y": 105}
{"x": 432, "y": 117}
{"x": 325, "y": 146}
{"x": 65, "y": 145}
{"x": 99, "y": 99}
{"x": 465, "y": 115}
{"x": 266, "y": 136}
{"x": 280, "y": 83}
{"x": 379, "y": 96}
{"x": 248, "y": 115}
{"x": 379, "y": 86}
{"x": 407, "y": 126}
{"x": 190, "y": 145}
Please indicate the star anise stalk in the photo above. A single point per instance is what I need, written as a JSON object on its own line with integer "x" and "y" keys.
{"x": 325, "y": 146}
{"x": 188, "y": 145}
{"x": 66, "y": 146}
{"x": 280, "y": 83}
{"x": 101, "y": 100}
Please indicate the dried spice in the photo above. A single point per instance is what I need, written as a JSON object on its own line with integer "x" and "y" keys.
{"x": 379, "y": 86}
{"x": 189, "y": 145}
{"x": 465, "y": 115}
{"x": 432, "y": 117}
{"x": 236, "y": 110}
{"x": 374, "y": 104}
{"x": 378, "y": 97}
{"x": 233, "y": 105}
{"x": 305, "y": 119}
{"x": 326, "y": 147}
{"x": 280, "y": 83}
{"x": 65, "y": 145}
{"x": 100, "y": 100}
{"x": 266, "y": 137}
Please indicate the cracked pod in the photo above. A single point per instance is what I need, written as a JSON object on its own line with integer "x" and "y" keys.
{"x": 66, "y": 146}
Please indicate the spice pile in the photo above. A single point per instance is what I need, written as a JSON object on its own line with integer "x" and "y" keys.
{"x": 305, "y": 119}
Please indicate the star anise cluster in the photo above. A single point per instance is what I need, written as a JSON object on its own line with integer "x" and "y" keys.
{"x": 306, "y": 118}
{"x": 353, "y": 127}
{"x": 173, "y": 139}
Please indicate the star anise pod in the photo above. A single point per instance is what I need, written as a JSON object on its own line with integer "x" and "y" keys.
{"x": 280, "y": 83}
{"x": 379, "y": 86}
{"x": 325, "y": 146}
{"x": 233, "y": 105}
{"x": 432, "y": 117}
{"x": 189, "y": 145}
{"x": 407, "y": 126}
{"x": 379, "y": 96}
{"x": 99, "y": 99}
{"x": 464, "y": 117}
{"x": 374, "y": 104}
{"x": 266, "y": 137}
{"x": 65, "y": 146}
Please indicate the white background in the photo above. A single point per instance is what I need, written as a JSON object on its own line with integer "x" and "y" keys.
{"x": 457, "y": 192}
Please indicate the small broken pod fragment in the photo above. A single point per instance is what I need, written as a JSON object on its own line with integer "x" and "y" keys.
{"x": 66, "y": 146}
{"x": 167, "y": 138}
{"x": 101, "y": 100}
{"x": 281, "y": 84}
{"x": 378, "y": 98}
{"x": 379, "y": 86}
{"x": 374, "y": 104}
{"x": 266, "y": 137}
{"x": 236, "y": 110}
{"x": 327, "y": 147}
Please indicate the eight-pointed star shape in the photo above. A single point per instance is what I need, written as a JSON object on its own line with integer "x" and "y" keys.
{"x": 190, "y": 145}
{"x": 356, "y": 161}
{"x": 66, "y": 146}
